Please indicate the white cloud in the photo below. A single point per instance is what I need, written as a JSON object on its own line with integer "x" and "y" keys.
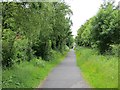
{"x": 82, "y": 11}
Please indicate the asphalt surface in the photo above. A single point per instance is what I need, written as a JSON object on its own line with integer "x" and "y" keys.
{"x": 65, "y": 75}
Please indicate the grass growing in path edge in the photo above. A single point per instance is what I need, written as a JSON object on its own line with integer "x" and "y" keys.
{"x": 29, "y": 74}
{"x": 100, "y": 71}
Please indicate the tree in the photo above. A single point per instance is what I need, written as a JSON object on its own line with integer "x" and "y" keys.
{"x": 34, "y": 29}
{"x": 102, "y": 30}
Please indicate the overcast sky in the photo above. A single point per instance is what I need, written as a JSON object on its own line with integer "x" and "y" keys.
{"x": 82, "y": 11}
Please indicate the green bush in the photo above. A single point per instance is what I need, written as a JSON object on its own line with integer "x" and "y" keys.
{"x": 20, "y": 50}
{"x": 116, "y": 50}
{"x": 7, "y": 47}
{"x": 38, "y": 62}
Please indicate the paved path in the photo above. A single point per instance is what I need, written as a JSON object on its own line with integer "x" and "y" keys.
{"x": 65, "y": 75}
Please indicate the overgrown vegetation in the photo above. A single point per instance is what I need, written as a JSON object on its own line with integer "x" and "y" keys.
{"x": 35, "y": 36}
{"x": 101, "y": 34}
{"x": 100, "y": 71}
{"x": 30, "y": 74}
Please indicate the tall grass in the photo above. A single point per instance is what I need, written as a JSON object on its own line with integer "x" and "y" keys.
{"x": 29, "y": 74}
{"x": 100, "y": 71}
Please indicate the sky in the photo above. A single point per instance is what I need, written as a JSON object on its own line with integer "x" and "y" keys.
{"x": 82, "y": 11}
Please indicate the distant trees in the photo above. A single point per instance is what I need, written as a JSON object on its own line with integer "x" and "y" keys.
{"x": 101, "y": 31}
{"x": 34, "y": 29}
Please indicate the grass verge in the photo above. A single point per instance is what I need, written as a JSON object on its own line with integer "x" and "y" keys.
{"x": 29, "y": 74}
{"x": 100, "y": 71}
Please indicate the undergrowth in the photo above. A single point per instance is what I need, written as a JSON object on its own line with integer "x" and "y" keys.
{"x": 29, "y": 74}
{"x": 101, "y": 71}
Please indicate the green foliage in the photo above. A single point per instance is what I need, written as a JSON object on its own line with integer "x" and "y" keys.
{"x": 20, "y": 50}
{"x": 34, "y": 29}
{"x": 102, "y": 34}
{"x": 102, "y": 30}
{"x": 84, "y": 34}
{"x": 100, "y": 71}
{"x": 115, "y": 50}
{"x": 70, "y": 42}
{"x": 29, "y": 74}
{"x": 106, "y": 31}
